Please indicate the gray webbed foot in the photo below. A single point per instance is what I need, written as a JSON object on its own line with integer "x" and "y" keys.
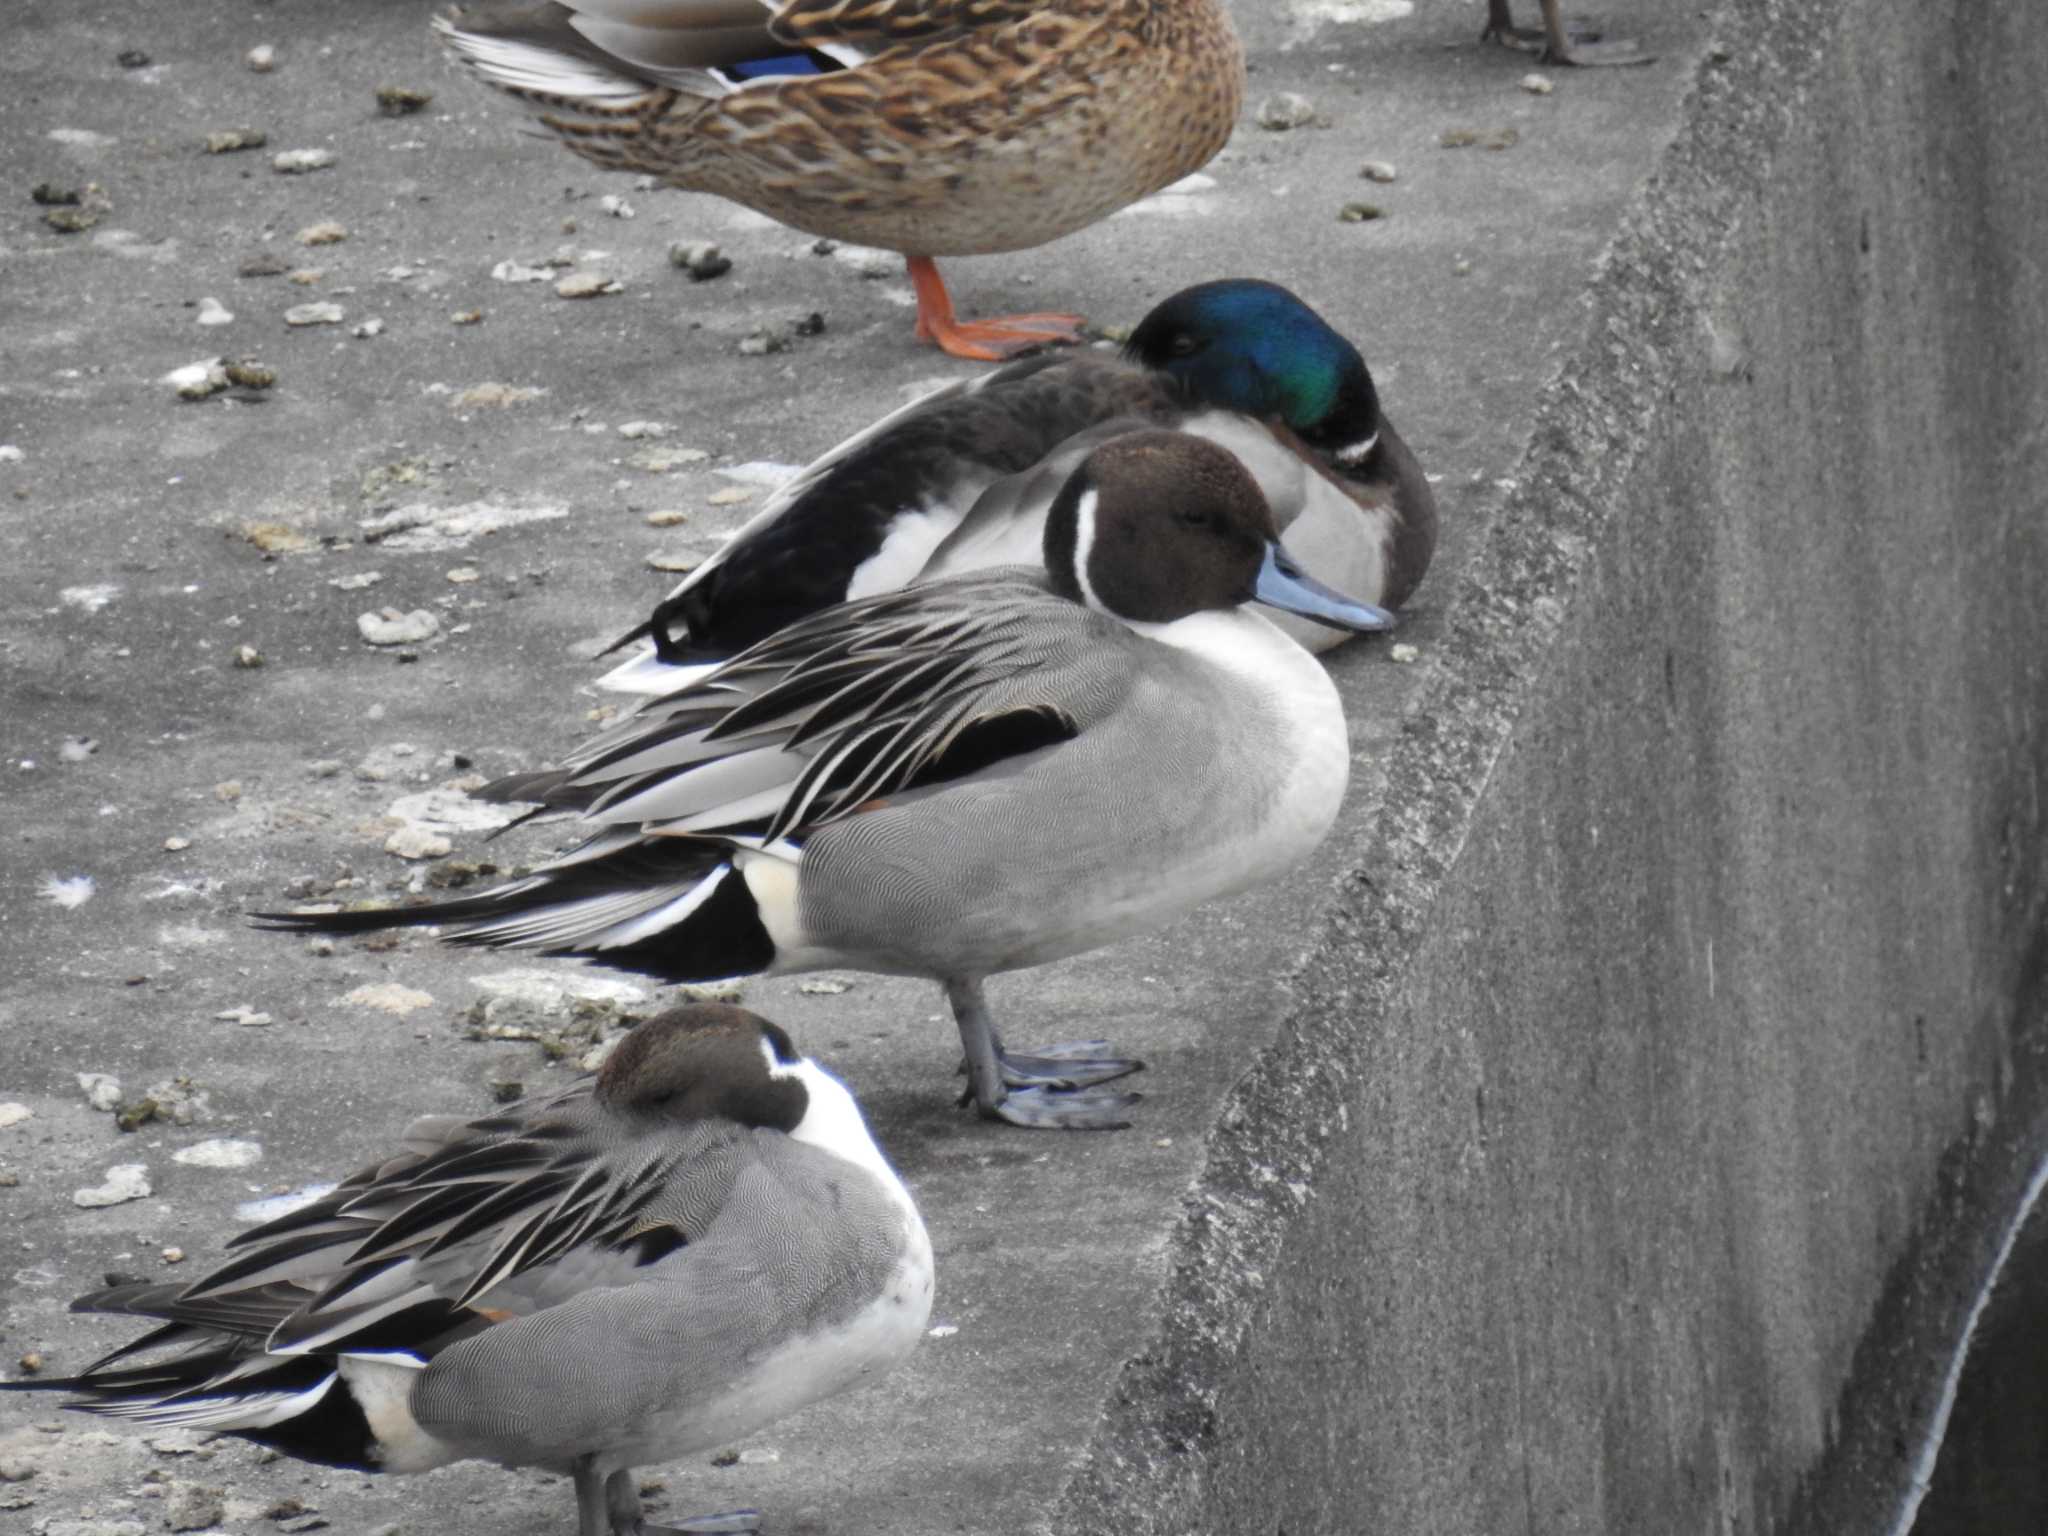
{"x": 734, "y": 1522}
{"x": 1588, "y": 51}
{"x": 1061, "y": 1109}
{"x": 1573, "y": 43}
{"x": 1052, "y": 1089}
{"x": 1070, "y": 1064}
{"x": 1525, "y": 39}
{"x": 615, "y": 1501}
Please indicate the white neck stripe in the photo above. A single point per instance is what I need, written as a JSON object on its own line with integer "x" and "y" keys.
{"x": 1084, "y": 546}
{"x": 1354, "y": 453}
{"x": 779, "y": 1070}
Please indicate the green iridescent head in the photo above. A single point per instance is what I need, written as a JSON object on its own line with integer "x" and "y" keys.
{"x": 1248, "y": 345}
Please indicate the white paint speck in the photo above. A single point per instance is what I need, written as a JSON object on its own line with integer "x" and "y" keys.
{"x": 124, "y": 1182}
{"x": 1319, "y": 12}
{"x": 762, "y": 472}
{"x": 225, "y": 1152}
{"x": 428, "y": 527}
{"x": 91, "y": 599}
{"x": 552, "y": 989}
{"x": 68, "y": 890}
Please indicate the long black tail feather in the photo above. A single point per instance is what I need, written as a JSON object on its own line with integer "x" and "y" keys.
{"x": 723, "y": 937}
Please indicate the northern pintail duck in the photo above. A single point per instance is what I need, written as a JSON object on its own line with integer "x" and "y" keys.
{"x": 1559, "y": 42}
{"x": 696, "y": 1243}
{"x": 922, "y": 126}
{"x": 962, "y": 478}
{"x": 972, "y": 776}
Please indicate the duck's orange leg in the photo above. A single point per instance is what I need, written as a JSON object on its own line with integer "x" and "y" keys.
{"x": 988, "y": 341}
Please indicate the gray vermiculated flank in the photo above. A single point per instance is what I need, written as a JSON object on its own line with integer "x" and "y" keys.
{"x": 1014, "y": 842}
{"x": 802, "y": 1238}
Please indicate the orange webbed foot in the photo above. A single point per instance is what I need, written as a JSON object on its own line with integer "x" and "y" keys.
{"x": 993, "y": 340}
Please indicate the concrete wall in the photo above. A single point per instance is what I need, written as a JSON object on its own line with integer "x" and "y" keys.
{"x": 1693, "y": 938}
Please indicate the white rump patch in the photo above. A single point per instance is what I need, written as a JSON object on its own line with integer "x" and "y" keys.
{"x": 382, "y": 1387}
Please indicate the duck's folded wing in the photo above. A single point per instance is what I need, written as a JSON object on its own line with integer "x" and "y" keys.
{"x": 502, "y": 1221}
{"x": 608, "y": 54}
{"x": 826, "y": 719}
{"x": 879, "y": 23}
{"x": 865, "y": 516}
{"x": 856, "y": 703}
{"x": 1006, "y": 524}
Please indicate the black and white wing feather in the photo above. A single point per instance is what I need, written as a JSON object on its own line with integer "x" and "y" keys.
{"x": 892, "y": 695}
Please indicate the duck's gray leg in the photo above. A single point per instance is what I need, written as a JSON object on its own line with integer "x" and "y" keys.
{"x": 1501, "y": 28}
{"x": 1043, "y": 1091}
{"x": 593, "y": 1518}
{"x": 622, "y": 1506}
{"x": 1558, "y": 41}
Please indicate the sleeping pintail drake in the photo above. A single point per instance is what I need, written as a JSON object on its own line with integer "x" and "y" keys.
{"x": 701, "y": 1240}
{"x": 1559, "y": 42}
{"x": 976, "y": 775}
{"x": 962, "y": 478}
{"x": 930, "y": 127}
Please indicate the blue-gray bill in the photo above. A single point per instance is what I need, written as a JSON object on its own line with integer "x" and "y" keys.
{"x": 1283, "y": 584}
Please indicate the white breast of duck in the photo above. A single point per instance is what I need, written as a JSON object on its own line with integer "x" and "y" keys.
{"x": 1292, "y": 726}
{"x": 828, "y": 1351}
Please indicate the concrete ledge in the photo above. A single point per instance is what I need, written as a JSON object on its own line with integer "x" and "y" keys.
{"x": 1695, "y": 952}
{"x": 1656, "y": 1021}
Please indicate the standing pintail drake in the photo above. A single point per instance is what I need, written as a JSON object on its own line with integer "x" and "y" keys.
{"x": 963, "y": 478}
{"x": 697, "y": 1243}
{"x": 930, "y": 127}
{"x": 977, "y": 775}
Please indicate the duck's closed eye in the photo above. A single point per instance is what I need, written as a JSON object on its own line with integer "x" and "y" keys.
{"x": 1191, "y": 517}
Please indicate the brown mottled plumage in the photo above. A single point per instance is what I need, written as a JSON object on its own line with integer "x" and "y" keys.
{"x": 956, "y": 127}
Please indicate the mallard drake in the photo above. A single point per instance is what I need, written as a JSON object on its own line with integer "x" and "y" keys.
{"x": 930, "y": 127}
{"x": 1558, "y": 42}
{"x": 976, "y": 775}
{"x": 699, "y": 1241}
{"x": 963, "y": 478}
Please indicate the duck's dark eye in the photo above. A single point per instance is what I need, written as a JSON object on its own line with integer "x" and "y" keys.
{"x": 1183, "y": 345}
{"x": 667, "y": 1095}
{"x": 1191, "y": 517}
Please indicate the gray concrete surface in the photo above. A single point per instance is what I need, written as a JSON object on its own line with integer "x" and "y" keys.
{"x": 1689, "y": 980}
{"x": 1535, "y": 1159}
